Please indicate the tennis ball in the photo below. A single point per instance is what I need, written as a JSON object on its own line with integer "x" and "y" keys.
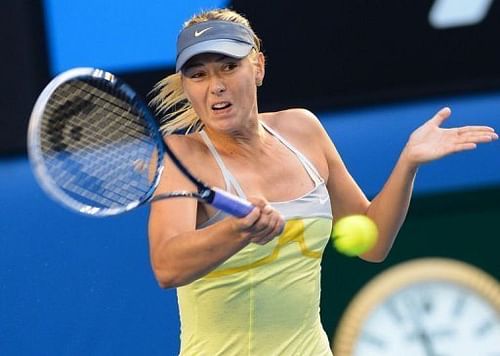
{"x": 354, "y": 235}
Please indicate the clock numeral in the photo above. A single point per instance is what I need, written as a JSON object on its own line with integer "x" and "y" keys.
{"x": 459, "y": 306}
{"x": 394, "y": 312}
{"x": 427, "y": 305}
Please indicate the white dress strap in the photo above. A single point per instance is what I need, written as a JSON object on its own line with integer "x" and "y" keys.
{"x": 308, "y": 166}
{"x": 229, "y": 179}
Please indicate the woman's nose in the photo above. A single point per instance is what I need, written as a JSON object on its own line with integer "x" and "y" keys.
{"x": 217, "y": 86}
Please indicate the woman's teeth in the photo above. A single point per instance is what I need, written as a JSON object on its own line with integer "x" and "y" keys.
{"x": 220, "y": 106}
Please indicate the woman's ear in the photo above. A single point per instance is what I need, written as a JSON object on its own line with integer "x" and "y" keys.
{"x": 261, "y": 71}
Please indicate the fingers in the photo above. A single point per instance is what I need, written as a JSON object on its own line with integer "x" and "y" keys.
{"x": 262, "y": 224}
{"x": 467, "y": 129}
{"x": 464, "y": 147}
{"x": 248, "y": 221}
{"x": 476, "y": 134}
{"x": 269, "y": 225}
{"x": 441, "y": 116}
{"x": 467, "y": 137}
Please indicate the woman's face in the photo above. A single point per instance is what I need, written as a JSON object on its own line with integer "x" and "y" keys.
{"x": 222, "y": 90}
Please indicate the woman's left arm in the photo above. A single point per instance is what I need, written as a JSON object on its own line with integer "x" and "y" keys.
{"x": 429, "y": 142}
{"x": 389, "y": 208}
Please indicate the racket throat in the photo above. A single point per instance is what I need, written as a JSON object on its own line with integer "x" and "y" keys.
{"x": 206, "y": 195}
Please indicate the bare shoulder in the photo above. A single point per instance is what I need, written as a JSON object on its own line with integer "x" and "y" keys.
{"x": 184, "y": 143}
{"x": 295, "y": 124}
{"x": 195, "y": 155}
{"x": 304, "y": 131}
{"x": 189, "y": 148}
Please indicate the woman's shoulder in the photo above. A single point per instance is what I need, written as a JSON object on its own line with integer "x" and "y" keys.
{"x": 190, "y": 147}
{"x": 295, "y": 122}
{"x": 303, "y": 130}
{"x": 190, "y": 142}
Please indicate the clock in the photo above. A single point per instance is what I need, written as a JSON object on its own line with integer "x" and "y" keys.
{"x": 427, "y": 307}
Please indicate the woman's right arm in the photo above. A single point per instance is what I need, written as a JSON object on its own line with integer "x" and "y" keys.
{"x": 179, "y": 252}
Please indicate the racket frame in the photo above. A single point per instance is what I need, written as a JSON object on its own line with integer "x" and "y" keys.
{"x": 35, "y": 153}
{"x": 211, "y": 195}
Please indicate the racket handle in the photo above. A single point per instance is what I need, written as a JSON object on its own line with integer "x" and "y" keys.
{"x": 231, "y": 203}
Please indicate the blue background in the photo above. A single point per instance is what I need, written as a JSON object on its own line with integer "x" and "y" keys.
{"x": 88, "y": 281}
{"x": 73, "y": 285}
{"x": 117, "y": 36}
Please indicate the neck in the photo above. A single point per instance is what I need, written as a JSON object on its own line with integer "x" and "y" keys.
{"x": 240, "y": 141}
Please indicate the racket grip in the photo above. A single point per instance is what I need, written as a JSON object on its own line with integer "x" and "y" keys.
{"x": 231, "y": 203}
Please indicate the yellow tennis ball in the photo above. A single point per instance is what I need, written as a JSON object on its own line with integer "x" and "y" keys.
{"x": 354, "y": 235}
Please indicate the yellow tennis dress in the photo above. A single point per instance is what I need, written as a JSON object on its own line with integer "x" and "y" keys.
{"x": 264, "y": 300}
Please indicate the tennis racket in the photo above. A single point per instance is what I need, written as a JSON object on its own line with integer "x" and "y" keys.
{"x": 95, "y": 147}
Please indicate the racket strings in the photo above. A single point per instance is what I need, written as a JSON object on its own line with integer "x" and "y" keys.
{"x": 105, "y": 127}
{"x": 96, "y": 144}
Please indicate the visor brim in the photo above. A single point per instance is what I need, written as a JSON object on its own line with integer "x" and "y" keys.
{"x": 230, "y": 48}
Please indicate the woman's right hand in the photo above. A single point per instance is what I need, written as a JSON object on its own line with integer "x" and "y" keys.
{"x": 262, "y": 224}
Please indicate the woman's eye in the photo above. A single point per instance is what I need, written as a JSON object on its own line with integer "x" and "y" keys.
{"x": 197, "y": 75}
{"x": 230, "y": 66}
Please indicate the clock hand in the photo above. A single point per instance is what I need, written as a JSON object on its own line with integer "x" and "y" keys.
{"x": 426, "y": 343}
{"x": 424, "y": 338}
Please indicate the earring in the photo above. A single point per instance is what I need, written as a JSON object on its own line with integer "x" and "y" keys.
{"x": 258, "y": 83}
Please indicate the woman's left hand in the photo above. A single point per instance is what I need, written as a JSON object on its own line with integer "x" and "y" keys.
{"x": 430, "y": 142}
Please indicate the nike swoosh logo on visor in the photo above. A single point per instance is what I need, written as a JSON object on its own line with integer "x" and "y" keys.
{"x": 201, "y": 32}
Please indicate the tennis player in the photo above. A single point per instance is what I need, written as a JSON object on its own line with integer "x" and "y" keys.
{"x": 251, "y": 285}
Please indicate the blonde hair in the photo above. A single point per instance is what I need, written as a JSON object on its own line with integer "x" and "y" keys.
{"x": 170, "y": 102}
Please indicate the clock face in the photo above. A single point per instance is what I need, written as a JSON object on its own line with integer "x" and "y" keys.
{"x": 431, "y": 319}
{"x": 424, "y": 307}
